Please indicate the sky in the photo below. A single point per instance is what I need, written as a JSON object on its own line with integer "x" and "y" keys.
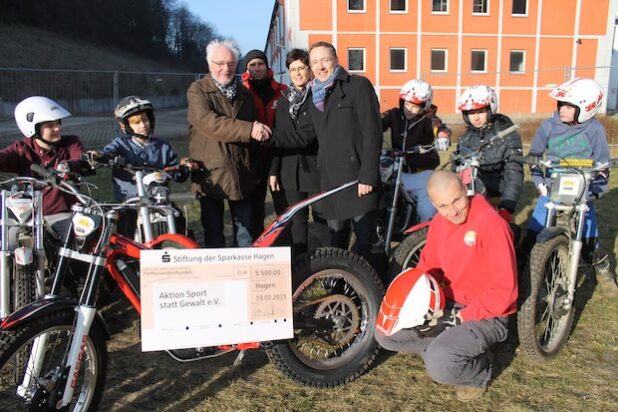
{"x": 246, "y": 21}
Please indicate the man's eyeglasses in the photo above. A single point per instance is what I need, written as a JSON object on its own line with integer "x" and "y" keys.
{"x": 323, "y": 60}
{"x": 298, "y": 69}
{"x": 231, "y": 65}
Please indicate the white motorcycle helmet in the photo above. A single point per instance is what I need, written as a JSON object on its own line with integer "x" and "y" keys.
{"x": 417, "y": 92}
{"x": 478, "y": 97}
{"x": 131, "y": 105}
{"x": 31, "y": 112}
{"x": 410, "y": 300}
{"x": 584, "y": 94}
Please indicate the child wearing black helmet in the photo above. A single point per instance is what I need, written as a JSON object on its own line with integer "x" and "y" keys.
{"x": 138, "y": 146}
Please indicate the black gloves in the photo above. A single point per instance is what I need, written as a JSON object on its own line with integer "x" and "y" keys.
{"x": 439, "y": 323}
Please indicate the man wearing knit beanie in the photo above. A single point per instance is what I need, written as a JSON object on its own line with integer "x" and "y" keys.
{"x": 258, "y": 78}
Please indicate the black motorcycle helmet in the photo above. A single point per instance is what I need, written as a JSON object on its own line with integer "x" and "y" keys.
{"x": 131, "y": 105}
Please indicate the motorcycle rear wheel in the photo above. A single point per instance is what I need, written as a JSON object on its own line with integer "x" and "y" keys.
{"x": 408, "y": 252}
{"x": 340, "y": 288}
{"x": 15, "y": 347}
{"x": 543, "y": 325}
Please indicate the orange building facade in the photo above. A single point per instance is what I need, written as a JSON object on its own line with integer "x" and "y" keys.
{"x": 522, "y": 48}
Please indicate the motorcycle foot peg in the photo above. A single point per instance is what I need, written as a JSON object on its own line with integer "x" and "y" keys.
{"x": 239, "y": 358}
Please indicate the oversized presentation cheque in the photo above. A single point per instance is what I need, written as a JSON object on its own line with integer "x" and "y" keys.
{"x": 206, "y": 297}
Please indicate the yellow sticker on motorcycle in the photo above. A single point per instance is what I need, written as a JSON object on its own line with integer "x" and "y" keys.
{"x": 569, "y": 185}
{"x": 83, "y": 225}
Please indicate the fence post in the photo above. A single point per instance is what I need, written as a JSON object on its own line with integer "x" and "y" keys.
{"x": 116, "y": 94}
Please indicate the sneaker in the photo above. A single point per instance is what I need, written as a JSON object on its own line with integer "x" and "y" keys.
{"x": 605, "y": 278}
{"x": 469, "y": 393}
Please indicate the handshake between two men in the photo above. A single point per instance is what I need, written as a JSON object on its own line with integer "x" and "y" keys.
{"x": 260, "y": 132}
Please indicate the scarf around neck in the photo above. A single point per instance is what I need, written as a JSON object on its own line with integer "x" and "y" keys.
{"x": 228, "y": 91}
{"x": 319, "y": 89}
{"x": 296, "y": 98}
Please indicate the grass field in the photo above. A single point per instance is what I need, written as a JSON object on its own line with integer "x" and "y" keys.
{"x": 584, "y": 377}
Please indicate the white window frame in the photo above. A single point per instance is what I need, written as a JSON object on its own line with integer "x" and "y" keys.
{"x": 480, "y": 14}
{"x": 445, "y": 61}
{"x": 391, "y": 11}
{"x": 523, "y": 61}
{"x": 484, "y": 51}
{"x": 364, "y": 69}
{"x": 364, "y": 10}
{"x": 446, "y": 2}
{"x": 405, "y": 60}
{"x": 520, "y": 14}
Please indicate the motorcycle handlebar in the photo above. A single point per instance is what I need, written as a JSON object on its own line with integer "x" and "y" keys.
{"x": 41, "y": 171}
{"x": 182, "y": 196}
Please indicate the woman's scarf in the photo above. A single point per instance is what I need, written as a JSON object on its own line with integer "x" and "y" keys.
{"x": 296, "y": 98}
{"x": 319, "y": 89}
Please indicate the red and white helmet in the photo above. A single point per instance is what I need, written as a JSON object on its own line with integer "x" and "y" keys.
{"x": 583, "y": 93}
{"x": 417, "y": 92}
{"x": 31, "y": 112}
{"x": 410, "y": 300}
{"x": 477, "y": 97}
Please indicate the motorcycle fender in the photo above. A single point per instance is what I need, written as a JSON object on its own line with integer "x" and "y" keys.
{"x": 41, "y": 308}
{"x": 182, "y": 239}
{"x": 550, "y": 233}
{"x": 417, "y": 227}
{"x": 23, "y": 256}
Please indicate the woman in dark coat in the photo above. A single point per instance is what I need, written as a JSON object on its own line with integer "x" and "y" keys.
{"x": 295, "y": 171}
{"x": 345, "y": 117}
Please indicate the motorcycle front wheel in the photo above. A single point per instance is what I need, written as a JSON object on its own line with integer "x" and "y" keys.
{"x": 408, "y": 253}
{"x": 543, "y": 323}
{"x": 336, "y": 300}
{"x": 22, "y": 387}
{"x": 24, "y": 287}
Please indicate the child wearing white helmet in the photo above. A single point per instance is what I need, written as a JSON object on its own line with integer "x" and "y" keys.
{"x": 40, "y": 120}
{"x": 502, "y": 176}
{"x": 415, "y": 123}
{"x": 574, "y": 132}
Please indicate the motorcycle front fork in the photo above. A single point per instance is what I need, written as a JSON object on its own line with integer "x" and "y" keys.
{"x": 575, "y": 248}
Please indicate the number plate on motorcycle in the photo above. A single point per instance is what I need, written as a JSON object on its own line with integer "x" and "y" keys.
{"x": 569, "y": 185}
{"x": 207, "y": 297}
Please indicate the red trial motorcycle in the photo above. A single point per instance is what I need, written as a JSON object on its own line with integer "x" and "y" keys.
{"x": 53, "y": 352}
{"x": 408, "y": 252}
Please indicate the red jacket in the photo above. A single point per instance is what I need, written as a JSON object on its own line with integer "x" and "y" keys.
{"x": 474, "y": 261}
{"x": 265, "y": 113}
{"x": 17, "y": 158}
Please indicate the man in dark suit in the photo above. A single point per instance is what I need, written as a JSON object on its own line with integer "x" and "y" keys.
{"x": 346, "y": 118}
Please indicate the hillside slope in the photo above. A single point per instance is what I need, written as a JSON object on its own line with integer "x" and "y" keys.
{"x": 29, "y": 47}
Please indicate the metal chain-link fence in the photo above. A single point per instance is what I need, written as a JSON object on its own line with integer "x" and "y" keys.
{"x": 91, "y": 96}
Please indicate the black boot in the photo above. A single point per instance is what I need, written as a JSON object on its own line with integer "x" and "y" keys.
{"x": 606, "y": 277}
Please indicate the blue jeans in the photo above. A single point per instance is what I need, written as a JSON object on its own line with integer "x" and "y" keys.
{"x": 416, "y": 184}
{"x": 212, "y": 221}
{"x": 539, "y": 216}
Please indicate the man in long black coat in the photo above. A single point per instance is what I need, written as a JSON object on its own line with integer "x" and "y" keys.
{"x": 346, "y": 118}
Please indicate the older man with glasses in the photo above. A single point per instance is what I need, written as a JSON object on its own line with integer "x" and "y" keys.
{"x": 221, "y": 123}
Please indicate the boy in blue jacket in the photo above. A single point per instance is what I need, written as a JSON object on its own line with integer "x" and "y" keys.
{"x": 573, "y": 132}
{"x": 138, "y": 147}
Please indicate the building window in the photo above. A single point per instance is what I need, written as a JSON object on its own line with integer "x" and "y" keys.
{"x": 520, "y": 7}
{"x": 439, "y": 6}
{"x": 478, "y": 61}
{"x": 517, "y": 63}
{"x": 399, "y": 6}
{"x": 480, "y": 7}
{"x": 398, "y": 60}
{"x": 438, "y": 60}
{"x": 356, "y": 6}
{"x": 356, "y": 60}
